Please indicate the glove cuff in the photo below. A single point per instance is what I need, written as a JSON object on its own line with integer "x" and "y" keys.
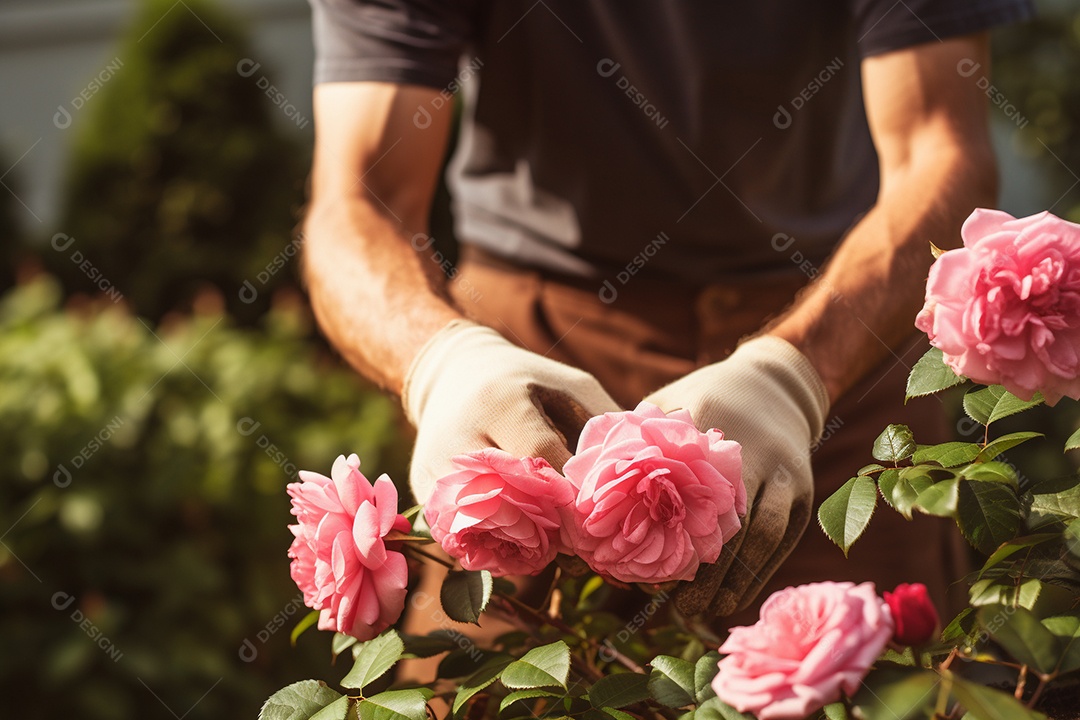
{"x": 788, "y": 367}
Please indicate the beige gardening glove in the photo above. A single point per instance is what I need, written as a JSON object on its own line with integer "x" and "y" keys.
{"x": 469, "y": 388}
{"x": 769, "y": 398}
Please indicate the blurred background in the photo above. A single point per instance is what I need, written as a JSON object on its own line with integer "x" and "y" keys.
{"x": 161, "y": 378}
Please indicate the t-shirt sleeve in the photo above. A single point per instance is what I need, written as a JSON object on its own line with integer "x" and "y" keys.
{"x": 884, "y": 25}
{"x": 415, "y": 42}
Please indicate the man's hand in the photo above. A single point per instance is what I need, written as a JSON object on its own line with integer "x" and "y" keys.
{"x": 768, "y": 397}
{"x": 469, "y": 388}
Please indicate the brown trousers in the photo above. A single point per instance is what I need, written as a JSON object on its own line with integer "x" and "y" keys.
{"x": 654, "y": 332}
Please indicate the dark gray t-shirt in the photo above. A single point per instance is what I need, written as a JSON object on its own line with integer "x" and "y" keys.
{"x": 695, "y": 139}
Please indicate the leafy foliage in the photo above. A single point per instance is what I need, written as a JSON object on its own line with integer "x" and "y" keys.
{"x": 151, "y": 491}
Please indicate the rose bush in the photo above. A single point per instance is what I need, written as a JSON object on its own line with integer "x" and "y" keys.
{"x": 656, "y": 498}
{"x": 499, "y": 513}
{"x": 340, "y": 560}
{"x": 647, "y": 498}
{"x": 1005, "y": 308}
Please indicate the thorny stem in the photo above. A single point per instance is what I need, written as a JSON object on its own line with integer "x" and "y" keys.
{"x": 948, "y": 661}
{"x": 1020, "y": 682}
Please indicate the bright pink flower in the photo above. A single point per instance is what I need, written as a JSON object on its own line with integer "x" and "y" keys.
{"x": 915, "y": 617}
{"x": 1005, "y": 308}
{"x": 499, "y": 513}
{"x": 340, "y": 559}
{"x": 656, "y": 497}
{"x": 811, "y": 642}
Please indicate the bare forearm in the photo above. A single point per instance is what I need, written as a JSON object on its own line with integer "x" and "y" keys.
{"x": 376, "y": 299}
{"x": 863, "y": 306}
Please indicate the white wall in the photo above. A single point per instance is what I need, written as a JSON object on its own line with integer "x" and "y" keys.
{"x": 51, "y": 49}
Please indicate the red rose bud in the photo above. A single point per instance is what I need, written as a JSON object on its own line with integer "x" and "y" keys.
{"x": 913, "y": 614}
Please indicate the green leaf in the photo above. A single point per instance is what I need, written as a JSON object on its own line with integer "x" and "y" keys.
{"x": 991, "y": 472}
{"x": 1019, "y": 631}
{"x": 716, "y": 709}
{"x": 1012, "y": 547}
{"x": 544, "y": 666}
{"x": 907, "y": 490}
{"x": 984, "y": 703}
{"x": 485, "y": 675}
{"x": 836, "y": 711}
{"x": 940, "y": 499}
{"x": 1042, "y": 598}
{"x": 1057, "y": 499}
{"x": 1071, "y": 537}
{"x": 1066, "y": 628}
{"x": 619, "y": 690}
{"x": 1073, "y": 442}
{"x": 341, "y": 643}
{"x": 886, "y": 483}
{"x": 305, "y": 622}
{"x": 617, "y": 714}
{"x": 531, "y": 694}
{"x": 930, "y": 375}
{"x": 870, "y": 469}
{"x": 412, "y": 512}
{"x": 298, "y": 701}
{"x": 845, "y": 514}
{"x": 894, "y": 444}
{"x": 988, "y": 514}
{"x": 671, "y": 681}
{"x": 705, "y": 670}
{"x": 438, "y": 641}
{"x": 394, "y": 705}
{"x": 960, "y": 627}
{"x": 336, "y": 710}
{"x": 950, "y": 454}
{"x": 373, "y": 658}
{"x": 896, "y": 693}
{"x": 989, "y": 404}
{"x": 465, "y": 594}
{"x": 1005, "y": 442}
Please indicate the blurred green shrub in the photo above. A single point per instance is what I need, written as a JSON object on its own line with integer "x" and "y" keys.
{"x": 179, "y": 176}
{"x": 1037, "y": 69}
{"x": 143, "y": 483}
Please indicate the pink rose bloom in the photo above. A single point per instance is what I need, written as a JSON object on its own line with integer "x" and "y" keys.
{"x": 1005, "y": 308}
{"x": 339, "y": 557}
{"x": 811, "y": 642}
{"x": 656, "y": 497}
{"x": 499, "y": 513}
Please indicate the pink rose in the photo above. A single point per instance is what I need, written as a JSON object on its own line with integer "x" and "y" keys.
{"x": 811, "y": 642}
{"x": 1005, "y": 308}
{"x": 656, "y": 497}
{"x": 499, "y": 513}
{"x": 340, "y": 559}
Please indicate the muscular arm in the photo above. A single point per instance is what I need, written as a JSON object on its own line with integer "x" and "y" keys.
{"x": 374, "y": 175}
{"x": 930, "y": 129}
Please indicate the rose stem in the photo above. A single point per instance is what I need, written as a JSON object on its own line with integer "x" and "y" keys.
{"x": 429, "y": 556}
{"x": 1020, "y": 682}
{"x": 1043, "y": 680}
